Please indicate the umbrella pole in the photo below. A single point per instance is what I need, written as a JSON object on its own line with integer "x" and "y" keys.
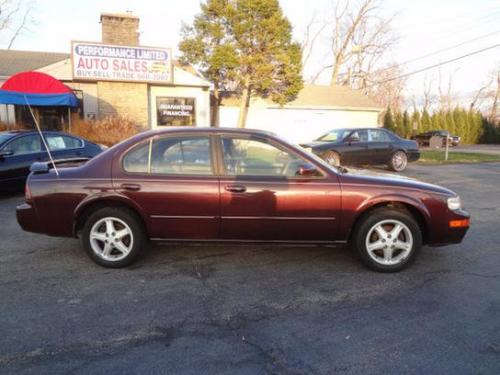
{"x": 41, "y": 136}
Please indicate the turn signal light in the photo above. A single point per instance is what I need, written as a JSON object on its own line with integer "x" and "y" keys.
{"x": 464, "y": 223}
{"x": 27, "y": 193}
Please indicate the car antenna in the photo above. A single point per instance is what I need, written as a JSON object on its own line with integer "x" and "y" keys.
{"x": 41, "y": 136}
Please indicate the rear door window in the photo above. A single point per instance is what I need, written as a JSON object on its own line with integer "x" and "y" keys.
{"x": 171, "y": 156}
{"x": 63, "y": 142}
{"x": 184, "y": 156}
{"x": 362, "y": 135}
{"x": 379, "y": 136}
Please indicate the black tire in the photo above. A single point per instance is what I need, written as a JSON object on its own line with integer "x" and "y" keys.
{"x": 332, "y": 158}
{"x": 398, "y": 162}
{"x": 137, "y": 239}
{"x": 365, "y": 228}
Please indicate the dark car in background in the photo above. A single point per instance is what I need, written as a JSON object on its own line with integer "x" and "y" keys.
{"x": 21, "y": 148}
{"x": 423, "y": 139}
{"x": 365, "y": 146}
{"x": 214, "y": 184}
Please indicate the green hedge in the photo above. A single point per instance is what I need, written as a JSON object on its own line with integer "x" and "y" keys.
{"x": 471, "y": 126}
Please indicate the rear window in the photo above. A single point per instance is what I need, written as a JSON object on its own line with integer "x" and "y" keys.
{"x": 189, "y": 156}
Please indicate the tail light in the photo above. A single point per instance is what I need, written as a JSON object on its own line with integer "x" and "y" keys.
{"x": 27, "y": 193}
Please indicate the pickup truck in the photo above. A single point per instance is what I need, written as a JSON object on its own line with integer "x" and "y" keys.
{"x": 423, "y": 139}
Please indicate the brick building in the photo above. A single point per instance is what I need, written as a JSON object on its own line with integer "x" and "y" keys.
{"x": 116, "y": 76}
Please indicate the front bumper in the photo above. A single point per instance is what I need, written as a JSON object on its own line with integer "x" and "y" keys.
{"x": 453, "y": 235}
{"x": 28, "y": 218}
{"x": 413, "y": 155}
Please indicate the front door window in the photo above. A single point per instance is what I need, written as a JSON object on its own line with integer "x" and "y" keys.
{"x": 29, "y": 144}
{"x": 250, "y": 157}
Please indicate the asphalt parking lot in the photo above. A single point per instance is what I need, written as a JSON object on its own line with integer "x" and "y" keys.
{"x": 253, "y": 309}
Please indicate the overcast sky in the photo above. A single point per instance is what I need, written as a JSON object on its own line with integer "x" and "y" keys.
{"x": 424, "y": 26}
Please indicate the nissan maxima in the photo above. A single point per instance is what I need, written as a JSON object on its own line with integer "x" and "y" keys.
{"x": 234, "y": 185}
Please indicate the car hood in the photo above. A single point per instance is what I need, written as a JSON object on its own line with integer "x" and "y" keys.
{"x": 314, "y": 144}
{"x": 364, "y": 176}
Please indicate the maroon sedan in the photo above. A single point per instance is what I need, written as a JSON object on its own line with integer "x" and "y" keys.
{"x": 206, "y": 184}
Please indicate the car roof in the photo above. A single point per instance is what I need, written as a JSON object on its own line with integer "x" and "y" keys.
{"x": 9, "y": 135}
{"x": 201, "y": 129}
{"x": 16, "y": 132}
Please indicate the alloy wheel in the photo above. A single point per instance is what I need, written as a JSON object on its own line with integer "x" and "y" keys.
{"x": 399, "y": 161}
{"x": 332, "y": 159}
{"x": 389, "y": 242}
{"x": 111, "y": 239}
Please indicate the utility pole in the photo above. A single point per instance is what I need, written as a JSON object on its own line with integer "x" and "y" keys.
{"x": 446, "y": 147}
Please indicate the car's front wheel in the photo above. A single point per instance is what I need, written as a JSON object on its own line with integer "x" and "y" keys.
{"x": 113, "y": 237}
{"x": 332, "y": 158}
{"x": 398, "y": 161}
{"x": 387, "y": 240}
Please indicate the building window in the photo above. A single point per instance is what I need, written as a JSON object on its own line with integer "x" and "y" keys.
{"x": 172, "y": 111}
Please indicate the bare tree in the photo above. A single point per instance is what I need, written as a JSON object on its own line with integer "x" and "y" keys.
{"x": 479, "y": 96}
{"x": 427, "y": 94}
{"x": 447, "y": 97}
{"x": 15, "y": 18}
{"x": 486, "y": 99}
{"x": 359, "y": 38}
{"x": 495, "y": 95}
{"x": 387, "y": 87}
{"x": 312, "y": 32}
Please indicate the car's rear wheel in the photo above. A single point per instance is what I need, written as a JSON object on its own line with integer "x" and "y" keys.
{"x": 399, "y": 161}
{"x": 387, "y": 240}
{"x": 113, "y": 237}
{"x": 332, "y": 158}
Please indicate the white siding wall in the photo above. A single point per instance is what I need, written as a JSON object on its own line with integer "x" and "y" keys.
{"x": 297, "y": 124}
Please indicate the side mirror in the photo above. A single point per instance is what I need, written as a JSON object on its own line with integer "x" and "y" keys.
{"x": 308, "y": 170}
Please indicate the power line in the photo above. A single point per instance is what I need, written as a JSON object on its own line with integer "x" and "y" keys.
{"x": 464, "y": 26}
{"x": 436, "y": 52}
{"x": 443, "y": 49}
{"x": 437, "y": 65}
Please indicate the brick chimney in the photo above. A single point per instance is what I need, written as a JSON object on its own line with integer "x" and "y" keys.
{"x": 120, "y": 28}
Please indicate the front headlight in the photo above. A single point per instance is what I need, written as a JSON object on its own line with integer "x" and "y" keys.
{"x": 454, "y": 203}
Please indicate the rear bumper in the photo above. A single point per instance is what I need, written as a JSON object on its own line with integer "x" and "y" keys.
{"x": 28, "y": 218}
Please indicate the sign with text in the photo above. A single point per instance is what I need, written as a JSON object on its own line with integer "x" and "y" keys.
{"x": 102, "y": 62}
{"x": 175, "y": 111}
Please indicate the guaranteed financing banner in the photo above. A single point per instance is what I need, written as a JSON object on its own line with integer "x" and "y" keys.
{"x": 101, "y": 62}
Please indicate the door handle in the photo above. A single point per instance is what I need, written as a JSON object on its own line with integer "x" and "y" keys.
{"x": 131, "y": 187}
{"x": 235, "y": 188}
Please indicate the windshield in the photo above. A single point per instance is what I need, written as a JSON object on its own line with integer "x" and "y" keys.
{"x": 334, "y": 135}
{"x": 317, "y": 159}
{"x": 327, "y": 165}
